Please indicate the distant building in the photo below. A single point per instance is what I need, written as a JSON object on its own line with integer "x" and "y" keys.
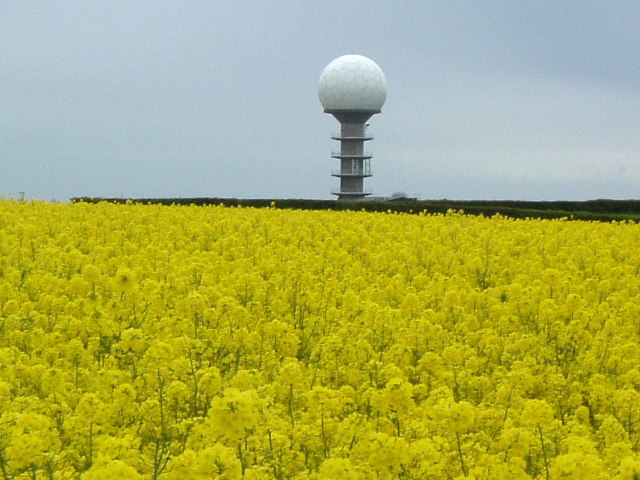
{"x": 392, "y": 198}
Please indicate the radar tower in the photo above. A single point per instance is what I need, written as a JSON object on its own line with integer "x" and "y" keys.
{"x": 352, "y": 88}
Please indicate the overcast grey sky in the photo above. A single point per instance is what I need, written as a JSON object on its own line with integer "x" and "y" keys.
{"x": 487, "y": 99}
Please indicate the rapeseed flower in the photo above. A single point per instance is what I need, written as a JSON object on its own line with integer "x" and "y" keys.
{"x": 172, "y": 343}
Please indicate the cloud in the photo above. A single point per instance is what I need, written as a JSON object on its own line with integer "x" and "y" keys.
{"x": 167, "y": 99}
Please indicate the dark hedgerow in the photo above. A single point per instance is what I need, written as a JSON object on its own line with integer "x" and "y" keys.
{"x": 595, "y": 210}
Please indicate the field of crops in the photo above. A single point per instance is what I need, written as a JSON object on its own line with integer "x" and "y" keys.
{"x": 155, "y": 342}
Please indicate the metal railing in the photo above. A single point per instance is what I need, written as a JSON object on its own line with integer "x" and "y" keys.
{"x": 353, "y": 171}
{"x": 351, "y": 155}
{"x": 339, "y": 136}
{"x": 337, "y": 191}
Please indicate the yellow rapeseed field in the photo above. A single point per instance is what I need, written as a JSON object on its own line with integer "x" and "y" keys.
{"x": 150, "y": 342}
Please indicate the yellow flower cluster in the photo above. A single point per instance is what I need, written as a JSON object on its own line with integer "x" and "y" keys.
{"x": 149, "y": 342}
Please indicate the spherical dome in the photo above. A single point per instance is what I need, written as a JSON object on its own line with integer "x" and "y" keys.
{"x": 352, "y": 82}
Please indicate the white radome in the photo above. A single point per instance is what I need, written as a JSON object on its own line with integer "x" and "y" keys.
{"x": 352, "y": 82}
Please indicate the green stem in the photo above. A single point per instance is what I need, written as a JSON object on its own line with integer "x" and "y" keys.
{"x": 464, "y": 467}
{"x": 544, "y": 452}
